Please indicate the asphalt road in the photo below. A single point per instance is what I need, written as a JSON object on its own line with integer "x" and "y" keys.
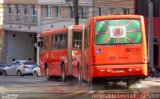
{"x": 28, "y": 87}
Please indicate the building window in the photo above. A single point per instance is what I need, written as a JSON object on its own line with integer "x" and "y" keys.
{"x": 71, "y": 11}
{"x": 17, "y": 9}
{"x": 9, "y": 9}
{"x": 24, "y": 9}
{"x": 125, "y": 10}
{"x": 83, "y": 13}
{"x": 57, "y": 13}
{"x": 48, "y": 10}
{"x": 100, "y": 11}
{"x": 112, "y": 11}
{"x": 33, "y": 10}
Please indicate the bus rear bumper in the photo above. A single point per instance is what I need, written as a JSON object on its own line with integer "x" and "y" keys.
{"x": 120, "y": 71}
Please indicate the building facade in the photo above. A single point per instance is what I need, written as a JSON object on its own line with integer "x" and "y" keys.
{"x": 110, "y": 7}
{"x": 1, "y": 31}
{"x": 142, "y": 9}
{"x": 25, "y": 19}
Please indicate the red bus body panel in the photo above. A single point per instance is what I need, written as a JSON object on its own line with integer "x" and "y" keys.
{"x": 117, "y": 60}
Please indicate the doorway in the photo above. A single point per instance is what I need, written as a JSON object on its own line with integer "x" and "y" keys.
{"x": 156, "y": 52}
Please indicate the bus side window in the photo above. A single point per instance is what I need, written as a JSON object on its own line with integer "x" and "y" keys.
{"x": 77, "y": 40}
{"x": 46, "y": 43}
{"x": 60, "y": 41}
{"x": 64, "y": 42}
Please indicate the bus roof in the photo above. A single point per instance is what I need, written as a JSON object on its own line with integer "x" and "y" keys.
{"x": 117, "y": 16}
{"x": 54, "y": 31}
{"x": 77, "y": 27}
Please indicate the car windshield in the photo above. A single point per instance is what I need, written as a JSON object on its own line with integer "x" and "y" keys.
{"x": 29, "y": 63}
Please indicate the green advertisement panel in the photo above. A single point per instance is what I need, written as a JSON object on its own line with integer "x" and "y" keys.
{"x": 122, "y": 31}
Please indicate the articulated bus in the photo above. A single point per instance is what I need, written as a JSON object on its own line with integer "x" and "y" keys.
{"x": 61, "y": 52}
{"x": 110, "y": 48}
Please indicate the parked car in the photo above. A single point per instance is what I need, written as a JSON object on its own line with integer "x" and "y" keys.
{"x": 20, "y": 68}
{"x": 2, "y": 65}
{"x": 36, "y": 71}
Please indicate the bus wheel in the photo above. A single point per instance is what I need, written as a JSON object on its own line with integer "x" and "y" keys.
{"x": 79, "y": 73}
{"x": 128, "y": 84}
{"x": 47, "y": 73}
{"x": 63, "y": 72}
{"x": 133, "y": 82}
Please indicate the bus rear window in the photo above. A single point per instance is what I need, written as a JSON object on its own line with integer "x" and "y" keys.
{"x": 123, "y": 31}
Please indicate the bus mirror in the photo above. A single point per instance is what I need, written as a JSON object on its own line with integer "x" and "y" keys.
{"x": 40, "y": 44}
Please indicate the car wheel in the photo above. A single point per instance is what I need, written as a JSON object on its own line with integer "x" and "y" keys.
{"x": 4, "y": 73}
{"x": 35, "y": 74}
{"x": 19, "y": 73}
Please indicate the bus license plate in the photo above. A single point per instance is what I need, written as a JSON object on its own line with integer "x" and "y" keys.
{"x": 119, "y": 70}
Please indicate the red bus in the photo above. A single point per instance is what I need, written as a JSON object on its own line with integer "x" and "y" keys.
{"x": 117, "y": 50}
{"x": 61, "y": 52}
{"x": 110, "y": 48}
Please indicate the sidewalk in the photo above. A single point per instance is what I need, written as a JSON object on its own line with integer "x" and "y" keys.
{"x": 152, "y": 78}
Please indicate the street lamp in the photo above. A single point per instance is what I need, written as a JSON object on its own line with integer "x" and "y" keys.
{"x": 75, "y": 5}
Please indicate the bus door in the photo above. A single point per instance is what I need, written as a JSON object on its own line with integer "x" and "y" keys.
{"x": 156, "y": 46}
{"x": 75, "y": 51}
{"x": 44, "y": 53}
{"x": 69, "y": 47}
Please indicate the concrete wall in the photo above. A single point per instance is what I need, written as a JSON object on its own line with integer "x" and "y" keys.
{"x": 21, "y": 1}
{"x": 19, "y": 47}
{"x": 1, "y": 12}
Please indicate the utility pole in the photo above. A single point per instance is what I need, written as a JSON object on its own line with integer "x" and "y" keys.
{"x": 38, "y": 34}
{"x": 76, "y": 14}
{"x": 150, "y": 35}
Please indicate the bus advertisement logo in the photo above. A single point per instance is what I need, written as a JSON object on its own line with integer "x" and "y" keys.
{"x": 117, "y": 31}
{"x": 98, "y": 51}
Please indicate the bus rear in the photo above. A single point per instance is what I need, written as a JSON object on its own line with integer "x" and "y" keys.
{"x": 119, "y": 47}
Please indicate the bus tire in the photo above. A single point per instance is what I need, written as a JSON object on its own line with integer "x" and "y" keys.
{"x": 133, "y": 82}
{"x": 129, "y": 83}
{"x": 63, "y": 73}
{"x": 79, "y": 72}
{"x": 47, "y": 73}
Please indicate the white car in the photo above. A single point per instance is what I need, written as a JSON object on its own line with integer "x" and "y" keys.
{"x": 20, "y": 68}
{"x": 36, "y": 71}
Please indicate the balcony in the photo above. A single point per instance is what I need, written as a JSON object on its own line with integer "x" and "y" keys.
{"x": 20, "y": 19}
